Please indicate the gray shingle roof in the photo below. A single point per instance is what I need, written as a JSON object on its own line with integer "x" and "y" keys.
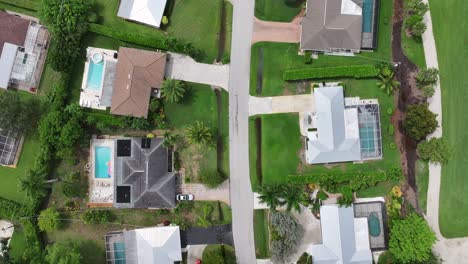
{"x": 146, "y": 171}
{"x": 325, "y": 26}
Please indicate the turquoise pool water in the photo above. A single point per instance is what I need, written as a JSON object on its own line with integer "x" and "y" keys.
{"x": 102, "y": 161}
{"x": 119, "y": 253}
{"x": 367, "y": 12}
{"x": 95, "y": 75}
{"x": 366, "y": 134}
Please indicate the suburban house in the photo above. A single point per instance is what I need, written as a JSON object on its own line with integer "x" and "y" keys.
{"x": 339, "y": 26}
{"x": 148, "y": 12}
{"x": 342, "y": 129}
{"x": 345, "y": 239}
{"x": 145, "y": 245}
{"x": 23, "y": 49}
{"x": 131, "y": 173}
{"x": 123, "y": 81}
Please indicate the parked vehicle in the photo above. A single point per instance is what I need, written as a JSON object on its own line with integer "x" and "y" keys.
{"x": 184, "y": 197}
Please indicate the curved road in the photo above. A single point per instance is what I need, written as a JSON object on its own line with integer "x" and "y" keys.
{"x": 239, "y": 79}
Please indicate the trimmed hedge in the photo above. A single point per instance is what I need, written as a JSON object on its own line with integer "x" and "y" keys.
{"x": 355, "y": 71}
{"x": 338, "y": 177}
{"x": 153, "y": 41}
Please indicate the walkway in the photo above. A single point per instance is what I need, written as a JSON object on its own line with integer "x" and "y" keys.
{"x": 281, "y": 104}
{"x": 277, "y": 31}
{"x": 239, "y": 79}
{"x": 183, "y": 67}
{"x": 203, "y": 193}
{"x": 450, "y": 250}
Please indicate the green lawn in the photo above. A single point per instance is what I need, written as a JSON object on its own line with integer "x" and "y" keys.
{"x": 261, "y": 234}
{"x": 450, "y": 23}
{"x": 278, "y": 57}
{"x": 277, "y": 10}
{"x": 18, "y": 244}
{"x": 281, "y": 144}
{"x": 422, "y": 182}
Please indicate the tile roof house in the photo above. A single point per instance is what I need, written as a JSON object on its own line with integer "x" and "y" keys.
{"x": 144, "y": 174}
{"x": 137, "y": 73}
{"x": 149, "y": 12}
{"x": 145, "y": 245}
{"x": 345, "y": 239}
{"x": 337, "y": 25}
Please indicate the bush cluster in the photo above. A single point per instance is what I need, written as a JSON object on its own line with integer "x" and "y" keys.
{"x": 94, "y": 216}
{"x": 419, "y": 121}
{"x": 307, "y": 57}
{"x": 153, "y": 41}
{"x": 355, "y": 71}
{"x": 435, "y": 150}
{"x": 414, "y": 17}
{"x": 286, "y": 235}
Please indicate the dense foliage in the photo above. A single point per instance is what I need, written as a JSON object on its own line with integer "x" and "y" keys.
{"x": 286, "y": 234}
{"x": 17, "y": 115}
{"x": 219, "y": 254}
{"x": 426, "y": 80}
{"x": 49, "y": 220}
{"x": 173, "y": 90}
{"x": 67, "y": 21}
{"x": 212, "y": 177}
{"x": 419, "y": 121}
{"x": 94, "y": 216}
{"x": 414, "y": 17}
{"x": 346, "y": 199}
{"x": 305, "y": 259}
{"x": 64, "y": 252}
{"x": 435, "y": 150}
{"x": 387, "y": 81}
{"x": 354, "y": 71}
{"x": 411, "y": 239}
{"x": 292, "y": 196}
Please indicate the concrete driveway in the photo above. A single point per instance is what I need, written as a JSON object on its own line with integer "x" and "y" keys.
{"x": 203, "y": 193}
{"x": 281, "y": 104}
{"x": 277, "y": 31}
{"x": 183, "y": 67}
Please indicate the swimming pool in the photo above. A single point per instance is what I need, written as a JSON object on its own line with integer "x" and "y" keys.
{"x": 102, "y": 162}
{"x": 367, "y": 15}
{"x": 95, "y": 75}
{"x": 367, "y": 136}
{"x": 119, "y": 253}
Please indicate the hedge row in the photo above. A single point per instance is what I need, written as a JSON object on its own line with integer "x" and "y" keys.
{"x": 338, "y": 177}
{"x": 355, "y": 71}
{"x": 23, "y": 4}
{"x": 10, "y": 209}
{"x": 153, "y": 41}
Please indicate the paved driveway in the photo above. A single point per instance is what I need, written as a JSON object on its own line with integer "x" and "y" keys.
{"x": 203, "y": 193}
{"x": 183, "y": 67}
{"x": 277, "y": 31}
{"x": 281, "y": 104}
{"x": 221, "y": 234}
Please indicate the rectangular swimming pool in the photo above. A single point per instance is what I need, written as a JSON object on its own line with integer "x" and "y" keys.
{"x": 102, "y": 162}
{"x": 367, "y": 15}
{"x": 119, "y": 253}
{"x": 95, "y": 75}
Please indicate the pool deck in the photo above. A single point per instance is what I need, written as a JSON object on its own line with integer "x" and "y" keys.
{"x": 92, "y": 98}
{"x": 101, "y": 190}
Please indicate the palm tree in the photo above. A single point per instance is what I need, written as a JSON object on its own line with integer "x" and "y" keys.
{"x": 293, "y": 197}
{"x": 170, "y": 139}
{"x": 33, "y": 184}
{"x": 173, "y": 90}
{"x": 387, "y": 82}
{"x": 198, "y": 133}
{"x": 270, "y": 195}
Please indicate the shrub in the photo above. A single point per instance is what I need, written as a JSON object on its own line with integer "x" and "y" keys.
{"x": 394, "y": 174}
{"x": 288, "y": 234}
{"x": 305, "y": 259}
{"x": 212, "y": 178}
{"x": 64, "y": 252}
{"x": 426, "y": 80}
{"x": 94, "y": 216}
{"x": 427, "y": 91}
{"x": 419, "y": 121}
{"x": 355, "y": 71}
{"x": 165, "y": 20}
{"x": 331, "y": 179}
{"x": 389, "y": 111}
{"x": 391, "y": 129}
{"x": 346, "y": 199}
{"x": 92, "y": 17}
{"x": 226, "y": 59}
{"x": 71, "y": 205}
{"x": 435, "y": 150}
{"x": 322, "y": 196}
{"x": 307, "y": 57}
{"x": 392, "y": 145}
{"x": 49, "y": 220}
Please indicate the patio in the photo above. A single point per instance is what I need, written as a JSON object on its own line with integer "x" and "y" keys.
{"x": 376, "y": 217}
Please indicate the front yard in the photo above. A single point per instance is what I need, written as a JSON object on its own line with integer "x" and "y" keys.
{"x": 261, "y": 234}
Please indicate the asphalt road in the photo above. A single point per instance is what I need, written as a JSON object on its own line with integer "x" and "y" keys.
{"x": 239, "y": 79}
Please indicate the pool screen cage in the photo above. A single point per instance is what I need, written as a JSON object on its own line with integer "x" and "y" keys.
{"x": 370, "y": 131}
{"x": 370, "y": 18}
{"x": 9, "y": 143}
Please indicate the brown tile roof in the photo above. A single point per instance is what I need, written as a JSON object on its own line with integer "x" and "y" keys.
{"x": 137, "y": 72}
{"x": 13, "y": 29}
{"x": 325, "y": 27}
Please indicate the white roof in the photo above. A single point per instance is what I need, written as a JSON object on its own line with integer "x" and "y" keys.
{"x": 148, "y": 12}
{"x": 158, "y": 244}
{"x": 337, "y": 135}
{"x": 345, "y": 240}
{"x": 7, "y": 60}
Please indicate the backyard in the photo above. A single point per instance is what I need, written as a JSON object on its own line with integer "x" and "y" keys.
{"x": 449, "y": 23}
{"x": 281, "y": 145}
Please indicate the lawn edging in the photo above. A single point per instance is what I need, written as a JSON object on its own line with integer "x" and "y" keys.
{"x": 353, "y": 71}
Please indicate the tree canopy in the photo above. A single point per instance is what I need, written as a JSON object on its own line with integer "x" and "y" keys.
{"x": 435, "y": 150}
{"x": 18, "y": 115}
{"x": 64, "y": 252}
{"x": 419, "y": 121}
{"x": 173, "y": 90}
{"x": 49, "y": 220}
{"x": 411, "y": 239}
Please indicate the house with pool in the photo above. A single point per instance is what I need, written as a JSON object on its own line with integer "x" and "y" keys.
{"x": 339, "y": 27}
{"x": 341, "y": 129}
{"x": 123, "y": 81}
{"x": 131, "y": 173}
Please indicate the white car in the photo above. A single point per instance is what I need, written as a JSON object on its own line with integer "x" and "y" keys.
{"x": 184, "y": 197}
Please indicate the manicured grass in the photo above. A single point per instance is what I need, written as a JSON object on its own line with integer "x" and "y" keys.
{"x": 229, "y": 14}
{"x": 18, "y": 244}
{"x": 5, "y": 5}
{"x": 450, "y": 23}
{"x": 278, "y": 57}
{"x": 281, "y": 144}
{"x": 422, "y": 182}
{"x": 261, "y": 234}
{"x": 277, "y": 10}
